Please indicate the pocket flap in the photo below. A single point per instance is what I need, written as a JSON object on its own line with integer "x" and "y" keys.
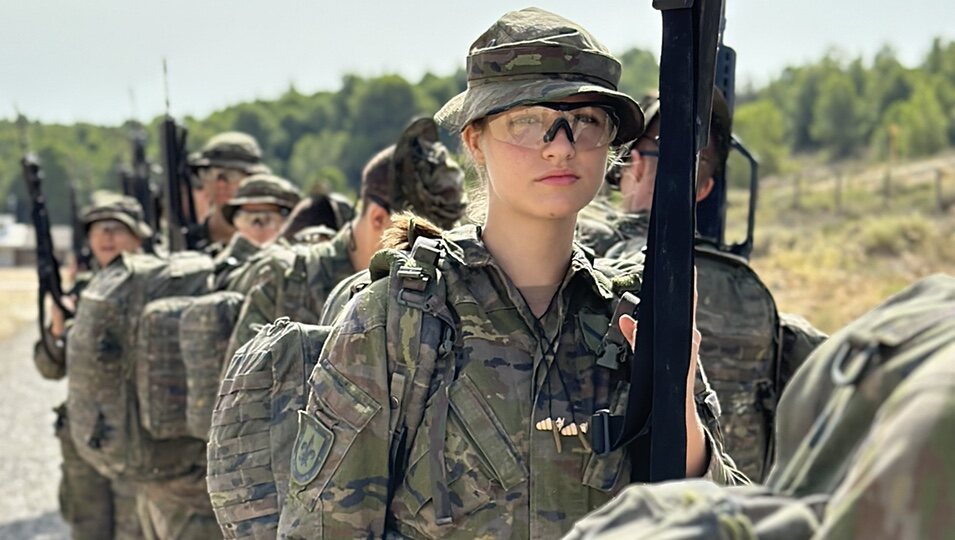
{"x": 342, "y": 399}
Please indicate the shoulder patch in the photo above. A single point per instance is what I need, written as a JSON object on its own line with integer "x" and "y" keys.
{"x": 312, "y": 446}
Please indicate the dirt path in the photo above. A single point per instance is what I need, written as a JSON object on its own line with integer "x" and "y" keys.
{"x": 29, "y": 453}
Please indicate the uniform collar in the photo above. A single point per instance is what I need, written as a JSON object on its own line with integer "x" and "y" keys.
{"x": 464, "y": 245}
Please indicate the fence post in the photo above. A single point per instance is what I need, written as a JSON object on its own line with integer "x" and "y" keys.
{"x": 887, "y": 187}
{"x": 839, "y": 185}
{"x": 797, "y": 192}
{"x": 939, "y": 196}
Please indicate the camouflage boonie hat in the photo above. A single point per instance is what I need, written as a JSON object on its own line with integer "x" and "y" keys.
{"x": 124, "y": 209}
{"x": 534, "y": 56}
{"x": 262, "y": 189}
{"x": 231, "y": 150}
{"x": 418, "y": 174}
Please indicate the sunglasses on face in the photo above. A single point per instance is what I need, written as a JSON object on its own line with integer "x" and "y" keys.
{"x": 586, "y": 125}
{"x": 266, "y": 219}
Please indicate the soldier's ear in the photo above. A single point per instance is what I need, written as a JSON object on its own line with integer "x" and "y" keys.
{"x": 703, "y": 190}
{"x": 472, "y": 141}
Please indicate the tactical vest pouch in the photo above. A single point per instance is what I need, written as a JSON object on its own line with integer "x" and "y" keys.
{"x": 102, "y": 359}
{"x": 203, "y": 336}
{"x": 160, "y": 372}
{"x": 254, "y": 423}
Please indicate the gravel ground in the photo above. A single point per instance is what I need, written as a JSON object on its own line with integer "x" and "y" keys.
{"x": 29, "y": 453}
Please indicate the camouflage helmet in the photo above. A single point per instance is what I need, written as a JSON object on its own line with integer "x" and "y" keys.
{"x": 262, "y": 189}
{"x": 231, "y": 150}
{"x": 418, "y": 174}
{"x": 107, "y": 205}
{"x": 534, "y": 56}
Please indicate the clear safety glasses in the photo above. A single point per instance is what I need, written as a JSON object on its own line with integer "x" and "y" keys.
{"x": 586, "y": 125}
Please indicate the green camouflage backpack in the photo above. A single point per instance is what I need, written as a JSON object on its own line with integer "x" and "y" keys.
{"x": 104, "y": 366}
{"x": 737, "y": 316}
{"x": 203, "y": 336}
{"x": 254, "y": 424}
{"x": 864, "y": 443}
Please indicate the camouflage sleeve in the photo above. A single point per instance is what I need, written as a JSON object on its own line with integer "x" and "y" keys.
{"x": 800, "y": 338}
{"x": 721, "y": 469}
{"x": 50, "y": 357}
{"x": 902, "y": 481}
{"x": 339, "y": 469}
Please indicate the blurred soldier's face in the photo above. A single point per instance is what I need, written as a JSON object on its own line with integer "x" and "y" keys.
{"x": 220, "y": 184}
{"x": 108, "y": 238}
{"x": 638, "y": 179}
{"x": 537, "y": 177}
{"x": 259, "y": 223}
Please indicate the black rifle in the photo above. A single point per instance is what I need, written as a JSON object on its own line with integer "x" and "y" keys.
{"x": 654, "y": 426}
{"x": 47, "y": 266}
{"x": 184, "y": 230}
{"x": 711, "y": 211}
{"x": 137, "y": 183}
{"x": 81, "y": 249}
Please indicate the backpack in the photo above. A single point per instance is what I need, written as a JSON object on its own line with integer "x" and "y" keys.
{"x": 103, "y": 350}
{"x": 203, "y": 336}
{"x": 824, "y": 484}
{"x": 253, "y": 426}
{"x": 740, "y": 350}
{"x": 828, "y": 407}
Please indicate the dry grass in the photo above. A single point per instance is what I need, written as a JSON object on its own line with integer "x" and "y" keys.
{"x": 18, "y": 291}
{"x": 831, "y": 266}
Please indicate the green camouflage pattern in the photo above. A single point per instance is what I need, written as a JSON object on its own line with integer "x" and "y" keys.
{"x": 699, "y": 509}
{"x": 231, "y": 264}
{"x": 91, "y": 504}
{"x": 262, "y": 188}
{"x": 865, "y": 443}
{"x": 230, "y": 150}
{"x": 800, "y": 338}
{"x": 292, "y": 283}
{"x": 737, "y": 317}
{"x": 613, "y": 234}
{"x": 102, "y": 365}
{"x": 341, "y": 294}
{"x": 177, "y": 508}
{"x": 254, "y": 425}
{"x": 203, "y": 337}
{"x": 495, "y": 377}
{"x": 533, "y": 56}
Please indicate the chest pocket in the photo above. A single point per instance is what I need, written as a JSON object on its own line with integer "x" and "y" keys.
{"x": 481, "y": 463}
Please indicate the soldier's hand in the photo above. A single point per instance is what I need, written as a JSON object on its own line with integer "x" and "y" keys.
{"x": 58, "y": 318}
{"x": 628, "y": 326}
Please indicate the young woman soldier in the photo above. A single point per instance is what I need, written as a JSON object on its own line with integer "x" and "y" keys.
{"x": 501, "y": 450}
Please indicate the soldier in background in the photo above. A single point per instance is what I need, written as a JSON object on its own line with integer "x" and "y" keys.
{"x": 750, "y": 349}
{"x": 416, "y": 174}
{"x": 94, "y": 506}
{"x": 219, "y": 167}
{"x": 258, "y": 213}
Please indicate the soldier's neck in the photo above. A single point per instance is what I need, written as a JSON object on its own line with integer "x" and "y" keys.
{"x": 532, "y": 252}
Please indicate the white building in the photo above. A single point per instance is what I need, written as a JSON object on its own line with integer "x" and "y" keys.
{"x": 18, "y": 242}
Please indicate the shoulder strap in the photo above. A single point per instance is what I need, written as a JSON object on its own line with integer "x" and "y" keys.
{"x": 418, "y": 316}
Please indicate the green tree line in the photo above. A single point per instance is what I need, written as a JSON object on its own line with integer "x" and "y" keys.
{"x": 838, "y": 106}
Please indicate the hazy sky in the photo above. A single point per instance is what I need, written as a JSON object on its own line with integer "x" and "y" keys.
{"x": 68, "y": 60}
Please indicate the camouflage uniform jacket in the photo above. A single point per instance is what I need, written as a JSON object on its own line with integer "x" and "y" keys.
{"x": 231, "y": 262}
{"x": 52, "y": 364}
{"x": 269, "y": 297}
{"x": 506, "y": 372}
{"x": 614, "y": 235}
